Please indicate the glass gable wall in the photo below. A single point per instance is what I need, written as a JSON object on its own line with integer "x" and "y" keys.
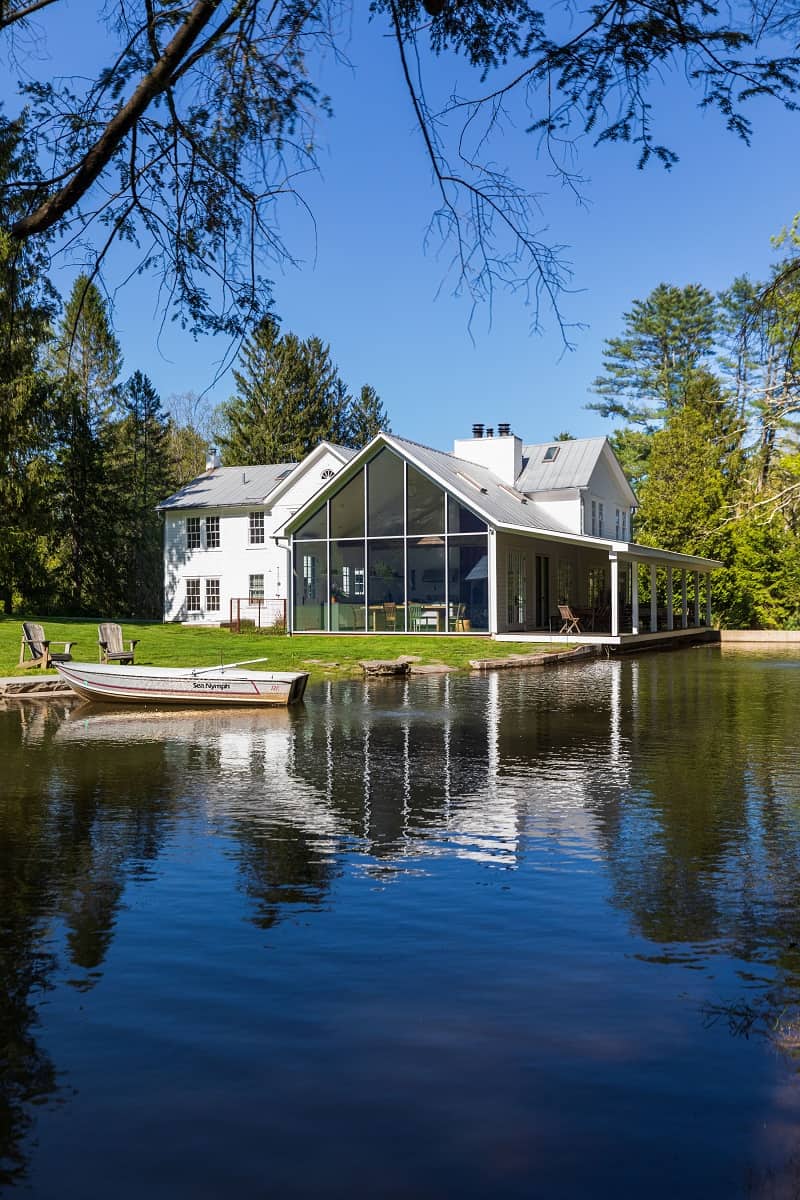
{"x": 391, "y": 552}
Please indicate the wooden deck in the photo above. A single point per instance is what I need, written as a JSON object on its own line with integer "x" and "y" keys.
{"x": 622, "y": 642}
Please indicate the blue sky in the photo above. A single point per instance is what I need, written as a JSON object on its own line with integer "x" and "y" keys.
{"x": 366, "y": 286}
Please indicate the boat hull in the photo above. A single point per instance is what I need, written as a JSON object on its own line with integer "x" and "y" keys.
{"x": 110, "y": 683}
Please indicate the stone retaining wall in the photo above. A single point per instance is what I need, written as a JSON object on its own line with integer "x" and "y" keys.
{"x": 761, "y": 636}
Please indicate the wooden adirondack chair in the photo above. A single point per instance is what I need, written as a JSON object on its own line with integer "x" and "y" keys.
{"x": 112, "y": 649}
{"x": 38, "y": 647}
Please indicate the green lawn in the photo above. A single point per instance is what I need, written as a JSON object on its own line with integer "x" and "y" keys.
{"x": 181, "y": 645}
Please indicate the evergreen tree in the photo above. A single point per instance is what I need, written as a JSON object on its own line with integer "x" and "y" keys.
{"x": 142, "y": 474}
{"x": 289, "y": 397}
{"x": 27, "y": 304}
{"x": 365, "y": 418}
{"x": 649, "y": 369}
{"x": 86, "y": 362}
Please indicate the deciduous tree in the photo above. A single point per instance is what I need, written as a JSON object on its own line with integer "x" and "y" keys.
{"x": 201, "y": 115}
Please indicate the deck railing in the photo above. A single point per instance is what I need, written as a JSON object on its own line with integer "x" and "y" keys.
{"x": 257, "y": 612}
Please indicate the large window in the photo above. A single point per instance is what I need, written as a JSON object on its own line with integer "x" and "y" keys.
{"x": 347, "y": 509}
{"x": 386, "y": 560}
{"x": 193, "y": 540}
{"x": 468, "y": 578}
{"x": 564, "y": 586}
{"x": 348, "y": 610}
{"x": 597, "y": 586}
{"x": 311, "y": 585}
{"x": 461, "y": 520}
{"x": 403, "y": 557}
{"x": 425, "y": 504}
{"x": 212, "y": 533}
{"x": 384, "y": 487}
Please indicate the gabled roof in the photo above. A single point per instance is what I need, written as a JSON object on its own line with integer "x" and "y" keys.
{"x": 343, "y": 453}
{"x": 571, "y": 468}
{"x": 229, "y": 487}
{"x": 475, "y": 486}
{"x": 478, "y": 487}
{"x": 234, "y": 487}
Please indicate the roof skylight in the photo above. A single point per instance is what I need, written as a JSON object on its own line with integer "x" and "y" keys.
{"x": 551, "y": 453}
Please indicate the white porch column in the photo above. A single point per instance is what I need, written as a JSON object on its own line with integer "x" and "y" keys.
{"x": 493, "y": 581}
{"x": 653, "y": 599}
{"x": 634, "y": 597}
{"x": 696, "y": 599}
{"x": 615, "y": 595}
{"x": 684, "y": 600}
{"x": 670, "y": 613}
{"x": 708, "y": 599}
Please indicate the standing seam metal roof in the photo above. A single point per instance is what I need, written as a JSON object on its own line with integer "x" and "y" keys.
{"x": 503, "y": 505}
{"x": 571, "y": 468}
{"x": 229, "y": 486}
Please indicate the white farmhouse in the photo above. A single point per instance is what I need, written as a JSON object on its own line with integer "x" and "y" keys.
{"x": 499, "y": 537}
{"x": 223, "y": 556}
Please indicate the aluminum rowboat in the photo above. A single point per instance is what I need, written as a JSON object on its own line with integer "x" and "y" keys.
{"x": 223, "y": 685}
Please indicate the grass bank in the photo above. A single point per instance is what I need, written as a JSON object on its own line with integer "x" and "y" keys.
{"x": 185, "y": 646}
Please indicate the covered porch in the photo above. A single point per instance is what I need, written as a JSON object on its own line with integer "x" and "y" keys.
{"x": 602, "y": 592}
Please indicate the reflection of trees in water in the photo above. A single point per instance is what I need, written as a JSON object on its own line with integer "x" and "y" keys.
{"x": 672, "y": 768}
{"x": 70, "y": 824}
{"x": 705, "y": 847}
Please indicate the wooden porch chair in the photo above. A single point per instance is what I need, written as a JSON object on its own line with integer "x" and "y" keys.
{"x": 390, "y": 615}
{"x": 38, "y": 647}
{"x": 570, "y": 622}
{"x": 112, "y": 649}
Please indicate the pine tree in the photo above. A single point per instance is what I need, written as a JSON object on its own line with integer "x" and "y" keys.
{"x": 27, "y": 304}
{"x": 289, "y": 397}
{"x": 668, "y": 338}
{"x": 142, "y": 475}
{"x": 366, "y": 417}
{"x": 86, "y": 362}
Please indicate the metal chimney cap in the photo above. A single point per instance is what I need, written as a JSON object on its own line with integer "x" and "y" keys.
{"x": 490, "y": 431}
{"x": 504, "y": 429}
{"x": 477, "y": 430}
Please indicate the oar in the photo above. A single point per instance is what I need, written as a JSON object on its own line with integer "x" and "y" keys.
{"x": 224, "y": 666}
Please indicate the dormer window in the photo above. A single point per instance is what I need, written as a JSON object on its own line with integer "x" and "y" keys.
{"x": 551, "y": 454}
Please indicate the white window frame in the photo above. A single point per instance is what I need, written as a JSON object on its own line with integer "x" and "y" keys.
{"x": 212, "y": 594}
{"x": 213, "y": 533}
{"x": 255, "y": 589}
{"x": 600, "y": 519}
{"x": 594, "y": 518}
{"x": 194, "y": 533}
{"x": 193, "y": 593}
{"x": 255, "y": 529}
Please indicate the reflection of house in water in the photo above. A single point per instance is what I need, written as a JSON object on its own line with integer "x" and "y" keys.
{"x": 475, "y": 767}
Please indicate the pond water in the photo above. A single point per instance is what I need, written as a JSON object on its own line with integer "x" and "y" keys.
{"x": 530, "y": 934}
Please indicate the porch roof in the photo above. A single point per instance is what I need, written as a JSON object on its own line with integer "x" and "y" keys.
{"x": 628, "y": 551}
